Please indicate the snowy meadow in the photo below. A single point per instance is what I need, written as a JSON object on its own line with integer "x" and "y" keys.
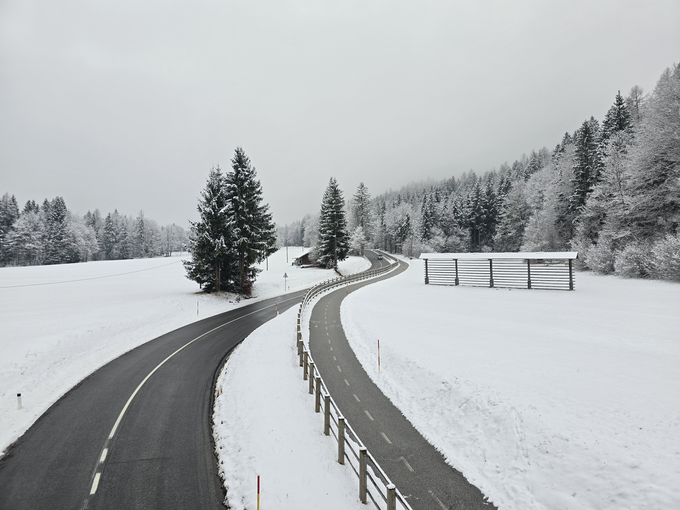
{"x": 543, "y": 399}
{"x": 60, "y": 323}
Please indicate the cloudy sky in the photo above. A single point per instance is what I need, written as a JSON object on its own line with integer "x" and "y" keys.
{"x": 127, "y": 104}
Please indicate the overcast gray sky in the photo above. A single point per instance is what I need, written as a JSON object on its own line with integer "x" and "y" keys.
{"x": 127, "y": 104}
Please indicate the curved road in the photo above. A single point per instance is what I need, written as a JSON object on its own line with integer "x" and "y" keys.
{"x": 414, "y": 465}
{"x": 136, "y": 433}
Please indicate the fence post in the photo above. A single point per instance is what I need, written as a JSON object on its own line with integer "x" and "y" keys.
{"x": 571, "y": 277}
{"x": 311, "y": 378}
{"x": 301, "y": 351}
{"x": 317, "y": 400}
{"x": 490, "y": 272}
{"x": 362, "y": 474}
{"x": 327, "y": 415}
{"x": 528, "y": 273}
{"x": 427, "y": 277}
{"x": 391, "y": 497}
{"x": 341, "y": 440}
{"x": 457, "y": 281}
{"x": 304, "y": 368}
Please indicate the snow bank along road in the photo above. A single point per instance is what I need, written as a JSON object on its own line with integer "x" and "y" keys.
{"x": 414, "y": 465}
{"x": 135, "y": 433}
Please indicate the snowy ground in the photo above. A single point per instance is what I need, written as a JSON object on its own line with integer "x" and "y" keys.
{"x": 543, "y": 399}
{"x": 265, "y": 425}
{"x": 60, "y": 323}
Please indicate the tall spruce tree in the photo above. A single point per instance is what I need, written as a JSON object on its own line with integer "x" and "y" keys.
{"x": 587, "y": 163}
{"x": 253, "y": 229}
{"x": 211, "y": 237}
{"x": 333, "y": 237}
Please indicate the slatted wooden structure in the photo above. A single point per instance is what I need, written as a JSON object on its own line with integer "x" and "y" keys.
{"x": 521, "y": 270}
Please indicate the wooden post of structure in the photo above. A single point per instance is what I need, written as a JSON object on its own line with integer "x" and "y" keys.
{"x": 362, "y": 474}
{"x": 490, "y": 272}
{"x": 528, "y": 273}
{"x": 304, "y": 368}
{"x": 311, "y": 378}
{"x": 456, "y": 261}
{"x": 341, "y": 440}
{"x": 317, "y": 399}
{"x": 391, "y": 497}
{"x": 302, "y": 353}
{"x": 427, "y": 277}
{"x": 571, "y": 277}
{"x": 327, "y": 415}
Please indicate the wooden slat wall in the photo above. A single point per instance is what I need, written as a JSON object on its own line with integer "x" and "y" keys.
{"x": 507, "y": 273}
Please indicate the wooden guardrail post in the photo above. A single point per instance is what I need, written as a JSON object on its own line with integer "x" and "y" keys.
{"x": 327, "y": 415}
{"x": 311, "y": 378}
{"x": 391, "y": 497}
{"x": 317, "y": 399}
{"x": 362, "y": 474}
{"x": 490, "y": 272}
{"x": 302, "y": 353}
{"x": 341, "y": 440}
{"x": 304, "y": 368}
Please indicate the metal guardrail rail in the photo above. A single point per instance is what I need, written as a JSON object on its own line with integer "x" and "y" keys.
{"x": 374, "y": 484}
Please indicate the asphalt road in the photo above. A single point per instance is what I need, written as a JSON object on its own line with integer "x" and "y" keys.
{"x": 136, "y": 433}
{"x": 413, "y": 464}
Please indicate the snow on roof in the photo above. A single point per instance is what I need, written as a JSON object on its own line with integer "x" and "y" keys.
{"x": 513, "y": 255}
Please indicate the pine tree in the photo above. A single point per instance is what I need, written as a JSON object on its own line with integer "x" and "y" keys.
{"x": 59, "y": 246}
{"x": 587, "y": 163}
{"x": 427, "y": 218}
{"x": 212, "y": 263}
{"x": 361, "y": 209}
{"x": 333, "y": 236}
{"x": 9, "y": 214}
{"x": 253, "y": 229}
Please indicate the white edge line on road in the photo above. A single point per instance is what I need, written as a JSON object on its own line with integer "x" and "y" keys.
{"x": 127, "y": 404}
{"x": 97, "y": 476}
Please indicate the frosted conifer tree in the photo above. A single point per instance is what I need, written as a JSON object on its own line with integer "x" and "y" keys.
{"x": 333, "y": 241}
{"x": 254, "y": 232}
{"x": 210, "y": 238}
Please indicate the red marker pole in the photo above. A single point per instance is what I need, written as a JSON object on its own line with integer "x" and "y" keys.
{"x": 258, "y": 492}
{"x": 378, "y": 354}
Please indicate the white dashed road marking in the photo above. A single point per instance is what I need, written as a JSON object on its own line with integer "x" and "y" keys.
{"x": 369, "y": 415}
{"x": 386, "y": 438}
{"x": 408, "y": 466}
{"x": 95, "y": 483}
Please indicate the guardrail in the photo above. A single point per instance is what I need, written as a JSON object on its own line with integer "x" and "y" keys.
{"x": 374, "y": 484}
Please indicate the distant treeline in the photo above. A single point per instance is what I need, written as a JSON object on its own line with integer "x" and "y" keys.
{"x": 610, "y": 190}
{"x": 51, "y": 234}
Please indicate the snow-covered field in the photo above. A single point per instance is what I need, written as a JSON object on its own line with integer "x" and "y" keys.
{"x": 543, "y": 399}
{"x": 60, "y": 323}
{"x": 265, "y": 425}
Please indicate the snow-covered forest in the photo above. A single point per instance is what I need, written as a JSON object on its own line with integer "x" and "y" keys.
{"x": 51, "y": 234}
{"x": 610, "y": 190}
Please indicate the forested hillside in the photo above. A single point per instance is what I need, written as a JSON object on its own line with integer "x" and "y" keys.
{"x": 610, "y": 190}
{"x": 51, "y": 234}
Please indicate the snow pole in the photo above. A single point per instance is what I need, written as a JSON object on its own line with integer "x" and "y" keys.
{"x": 378, "y": 354}
{"x": 19, "y": 406}
{"x": 258, "y": 492}
{"x": 196, "y": 308}
{"x": 276, "y": 304}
